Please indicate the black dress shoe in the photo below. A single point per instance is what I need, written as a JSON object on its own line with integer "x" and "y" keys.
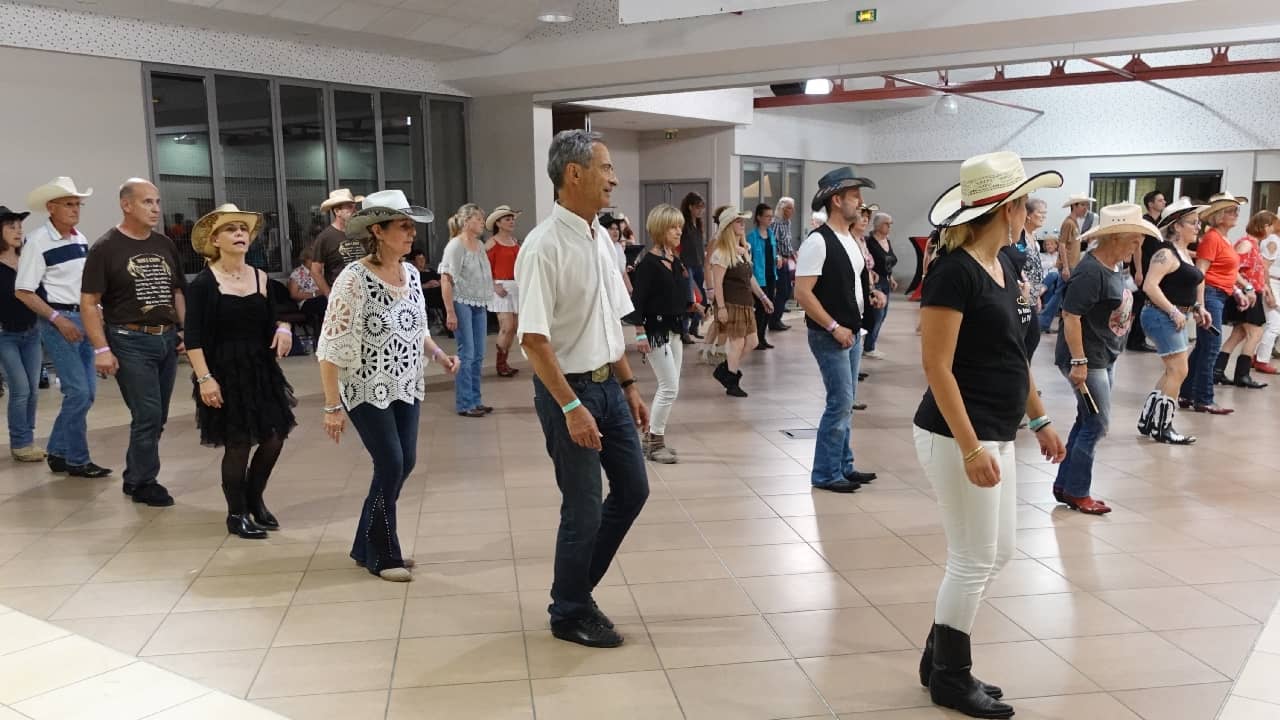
{"x": 484, "y": 409}
{"x": 859, "y": 406}
{"x": 863, "y": 376}
{"x": 88, "y": 470}
{"x": 764, "y": 345}
{"x": 860, "y": 477}
{"x": 779, "y": 327}
{"x": 840, "y": 486}
{"x": 242, "y": 526}
{"x": 586, "y": 631}
{"x": 154, "y": 495}
{"x": 600, "y": 616}
{"x": 472, "y": 413}
{"x": 263, "y": 518}
{"x": 56, "y": 464}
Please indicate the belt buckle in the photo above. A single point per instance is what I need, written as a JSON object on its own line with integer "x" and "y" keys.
{"x": 600, "y": 374}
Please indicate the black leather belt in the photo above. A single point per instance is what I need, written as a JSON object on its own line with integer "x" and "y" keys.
{"x": 599, "y": 375}
{"x": 64, "y": 307}
{"x": 148, "y": 329}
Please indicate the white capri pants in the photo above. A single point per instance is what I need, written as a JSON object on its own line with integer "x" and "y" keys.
{"x": 980, "y": 524}
{"x": 1272, "y": 330}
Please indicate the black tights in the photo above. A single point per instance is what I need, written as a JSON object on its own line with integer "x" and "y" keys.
{"x": 241, "y": 487}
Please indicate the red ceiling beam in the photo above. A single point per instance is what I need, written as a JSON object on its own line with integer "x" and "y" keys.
{"x": 1057, "y": 78}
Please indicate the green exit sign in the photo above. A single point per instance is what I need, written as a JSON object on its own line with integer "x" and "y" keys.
{"x": 865, "y": 16}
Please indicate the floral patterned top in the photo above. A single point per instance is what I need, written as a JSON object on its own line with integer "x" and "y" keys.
{"x": 375, "y": 334}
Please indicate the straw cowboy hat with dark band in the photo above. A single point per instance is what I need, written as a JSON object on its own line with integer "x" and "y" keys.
{"x": 1222, "y": 201}
{"x": 384, "y": 206}
{"x": 1119, "y": 219}
{"x": 730, "y": 214}
{"x": 1177, "y": 210}
{"x": 498, "y": 213}
{"x": 58, "y": 187}
{"x": 988, "y": 182}
{"x": 1078, "y": 198}
{"x": 203, "y": 232}
{"x": 341, "y": 196}
{"x": 837, "y": 181}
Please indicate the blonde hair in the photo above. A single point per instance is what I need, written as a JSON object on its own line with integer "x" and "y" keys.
{"x": 957, "y": 236}
{"x": 460, "y": 218}
{"x": 726, "y": 243}
{"x": 660, "y": 221}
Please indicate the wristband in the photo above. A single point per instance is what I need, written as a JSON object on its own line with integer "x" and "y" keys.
{"x": 1046, "y": 424}
{"x": 54, "y": 315}
{"x": 332, "y": 409}
{"x": 103, "y": 349}
{"x": 1038, "y": 423}
{"x": 284, "y": 331}
{"x": 1079, "y": 361}
{"x": 641, "y": 336}
{"x": 832, "y": 327}
{"x": 570, "y": 407}
{"x": 627, "y": 383}
{"x": 204, "y": 378}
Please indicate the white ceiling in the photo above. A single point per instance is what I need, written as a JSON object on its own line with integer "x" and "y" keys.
{"x": 645, "y": 121}
{"x": 436, "y": 30}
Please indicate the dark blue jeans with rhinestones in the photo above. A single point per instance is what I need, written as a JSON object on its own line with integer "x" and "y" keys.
{"x": 391, "y": 437}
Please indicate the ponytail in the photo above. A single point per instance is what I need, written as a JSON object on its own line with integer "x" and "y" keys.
{"x": 461, "y": 217}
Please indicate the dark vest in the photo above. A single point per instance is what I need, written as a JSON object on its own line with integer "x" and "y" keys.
{"x": 836, "y": 285}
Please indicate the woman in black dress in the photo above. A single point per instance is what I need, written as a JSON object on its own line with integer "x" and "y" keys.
{"x": 234, "y": 341}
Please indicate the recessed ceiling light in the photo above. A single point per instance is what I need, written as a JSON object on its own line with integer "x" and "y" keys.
{"x": 555, "y": 15}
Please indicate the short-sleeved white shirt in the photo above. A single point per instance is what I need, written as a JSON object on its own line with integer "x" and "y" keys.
{"x": 813, "y": 255}
{"x": 1270, "y": 249}
{"x": 571, "y": 291}
{"x": 55, "y": 262}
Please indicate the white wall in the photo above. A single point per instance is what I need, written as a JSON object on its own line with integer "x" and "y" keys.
{"x": 97, "y": 137}
{"x": 694, "y": 155}
{"x": 504, "y": 163}
{"x": 827, "y": 134}
{"x": 731, "y": 105}
{"x": 624, "y": 148}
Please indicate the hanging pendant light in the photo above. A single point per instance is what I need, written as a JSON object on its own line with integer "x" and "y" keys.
{"x": 946, "y": 105}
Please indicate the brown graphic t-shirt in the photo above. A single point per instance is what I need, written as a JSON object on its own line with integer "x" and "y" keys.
{"x": 336, "y": 252}
{"x": 136, "y": 278}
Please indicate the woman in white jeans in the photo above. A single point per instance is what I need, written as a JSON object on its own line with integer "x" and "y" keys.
{"x": 980, "y": 386}
{"x": 661, "y": 299}
{"x": 1270, "y": 249}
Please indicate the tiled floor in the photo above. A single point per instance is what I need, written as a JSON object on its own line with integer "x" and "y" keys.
{"x": 742, "y": 594}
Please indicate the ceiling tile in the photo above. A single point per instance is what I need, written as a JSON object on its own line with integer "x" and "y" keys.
{"x": 428, "y": 6}
{"x": 251, "y": 7}
{"x": 439, "y": 30}
{"x": 401, "y": 23}
{"x": 354, "y": 16}
{"x": 308, "y": 11}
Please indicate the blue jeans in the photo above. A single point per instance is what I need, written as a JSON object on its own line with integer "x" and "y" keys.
{"x": 473, "y": 326}
{"x": 74, "y": 365}
{"x": 833, "y": 453}
{"x": 148, "y": 367}
{"x": 878, "y": 316}
{"x": 1198, "y": 387}
{"x": 590, "y": 529}
{"x": 1075, "y": 474}
{"x": 20, "y": 357}
{"x": 391, "y": 437}
{"x": 782, "y": 293}
{"x": 1051, "y": 300}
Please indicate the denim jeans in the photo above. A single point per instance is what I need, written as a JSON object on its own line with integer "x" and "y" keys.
{"x": 782, "y": 292}
{"x": 878, "y": 315}
{"x": 74, "y": 364}
{"x": 1198, "y": 387}
{"x": 1051, "y": 300}
{"x": 391, "y": 438}
{"x": 148, "y": 367}
{"x": 473, "y": 326}
{"x": 833, "y": 453}
{"x": 20, "y": 357}
{"x": 1075, "y": 474}
{"x": 591, "y": 530}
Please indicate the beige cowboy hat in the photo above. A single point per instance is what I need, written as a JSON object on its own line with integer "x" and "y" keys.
{"x": 58, "y": 187}
{"x": 381, "y": 207}
{"x": 1175, "y": 211}
{"x": 730, "y": 214}
{"x": 1125, "y": 217}
{"x": 498, "y": 213}
{"x": 1222, "y": 201}
{"x": 987, "y": 182}
{"x": 203, "y": 232}
{"x": 1074, "y": 198}
{"x": 341, "y": 196}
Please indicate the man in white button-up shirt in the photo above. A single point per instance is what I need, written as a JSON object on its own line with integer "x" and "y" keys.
{"x": 572, "y": 301}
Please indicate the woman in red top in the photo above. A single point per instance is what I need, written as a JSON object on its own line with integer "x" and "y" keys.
{"x": 502, "y": 249}
{"x": 1250, "y": 315}
{"x": 1220, "y": 264}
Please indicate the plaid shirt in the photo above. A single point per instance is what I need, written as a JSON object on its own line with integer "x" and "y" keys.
{"x": 782, "y": 238}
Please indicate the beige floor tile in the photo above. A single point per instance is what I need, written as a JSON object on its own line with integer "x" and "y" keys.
{"x": 1143, "y": 537}
{"x": 812, "y": 503}
{"x": 19, "y": 632}
{"x": 1255, "y": 599}
{"x": 1132, "y": 662}
{"x": 472, "y": 547}
{"x": 666, "y": 566}
{"x": 464, "y": 578}
{"x": 885, "y": 681}
{"x": 1173, "y": 608}
{"x": 1061, "y": 541}
{"x": 213, "y": 630}
{"x": 914, "y": 620}
{"x": 127, "y": 634}
{"x": 52, "y": 665}
{"x": 350, "y": 584}
{"x": 486, "y": 701}
{"x": 870, "y": 553}
{"x": 154, "y": 565}
{"x": 1028, "y": 669}
{"x": 1065, "y": 615}
{"x": 204, "y": 536}
{"x": 664, "y": 602}
{"x": 46, "y": 571}
{"x": 340, "y": 622}
{"x": 460, "y": 660}
{"x": 715, "y": 509}
{"x": 242, "y": 557}
{"x": 794, "y": 593}
{"x": 136, "y": 690}
{"x": 615, "y": 601}
{"x": 1189, "y": 702}
{"x": 38, "y": 602}
{"x": 662, "y": 536}
{"x": 755, "y": 691}
{"x": 311, "y": 669}
{"x": 1027, "y": 577}
{"x": 1097, "y": 706}
{"x": 1196, "y": 567}
{"x": 232, "y": 592}
{"x": 1108, "y": 572}
{"x": 933, "y": 547}
{"x": 462, "y": 615}
{"x": 537, "y": 573}
{"x": 1241, "y": 708}
{"x": 627, "y": 696}
{"x": 893, "y": 586}
{"x": 550, "y": 657}
{"x": 215, "y": 706}
{"x": 331, "y": 706}
{"x": 771, "y": 560}
{"x": 757, "y": 531}
{"x": 1223, "y": 649}
{"x": 715, "y": 641}
{"x": 231, "y": 672}
{"x": 1258, "y": 679}
{"x": 145, "y": 597}
{"x": 853, "y": 526}
{"x": 534, "y": 543}
{"x": 463, "y": 522}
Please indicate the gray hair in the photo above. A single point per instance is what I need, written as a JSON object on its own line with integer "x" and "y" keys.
{"x": 570, "y": 146}
{"x": 786, "y": 202}
{"x": 126, "y": 188}
{"x": 880, "y": 217}
{"x": 1035, "y": 203}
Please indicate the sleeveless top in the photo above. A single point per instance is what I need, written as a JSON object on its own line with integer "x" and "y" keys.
{"x": 502, "y": 261}
{"x": 1180, "y": 285}
{"x": 737, "y": 281}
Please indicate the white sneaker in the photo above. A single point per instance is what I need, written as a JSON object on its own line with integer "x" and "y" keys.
{"x": 395, "y": 575}
{"x": 874, "y": 354}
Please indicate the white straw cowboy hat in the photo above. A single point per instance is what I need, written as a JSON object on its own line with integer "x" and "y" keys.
{"x": 987, "y": 182}
{"x": 341, "y": 196}
{"x": 498, "y": 213}
{"x": 1078, "y": 198}
{"x": 730, "y": 214}
{"x": 1222, "y": 201}
{"x": 1123, "y": 217}
{"x": 207, "y": 227}
{"x": 58, "y": 187}
{"x": 381, "y": 207}
{"x": 1175, "y": 211}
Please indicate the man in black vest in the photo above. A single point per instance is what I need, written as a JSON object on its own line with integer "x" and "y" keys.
{"x": 834, "y": 288}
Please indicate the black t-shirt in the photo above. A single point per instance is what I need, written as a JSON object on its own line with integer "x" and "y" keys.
{"x": 136, "y": 278}
{"x": 336, "y": 251}
{"x": 1097, "y": 294}
{"x": 990, "y": 363}
{"x": 15, "y": 316}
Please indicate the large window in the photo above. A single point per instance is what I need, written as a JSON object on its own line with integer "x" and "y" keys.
{"x": 768, "y": 180}
{"x": 279, "y": 146}
{"x": 1110, "y": 189}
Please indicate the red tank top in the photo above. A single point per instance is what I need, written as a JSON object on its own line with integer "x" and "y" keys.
{"x": 502, "y": 258}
